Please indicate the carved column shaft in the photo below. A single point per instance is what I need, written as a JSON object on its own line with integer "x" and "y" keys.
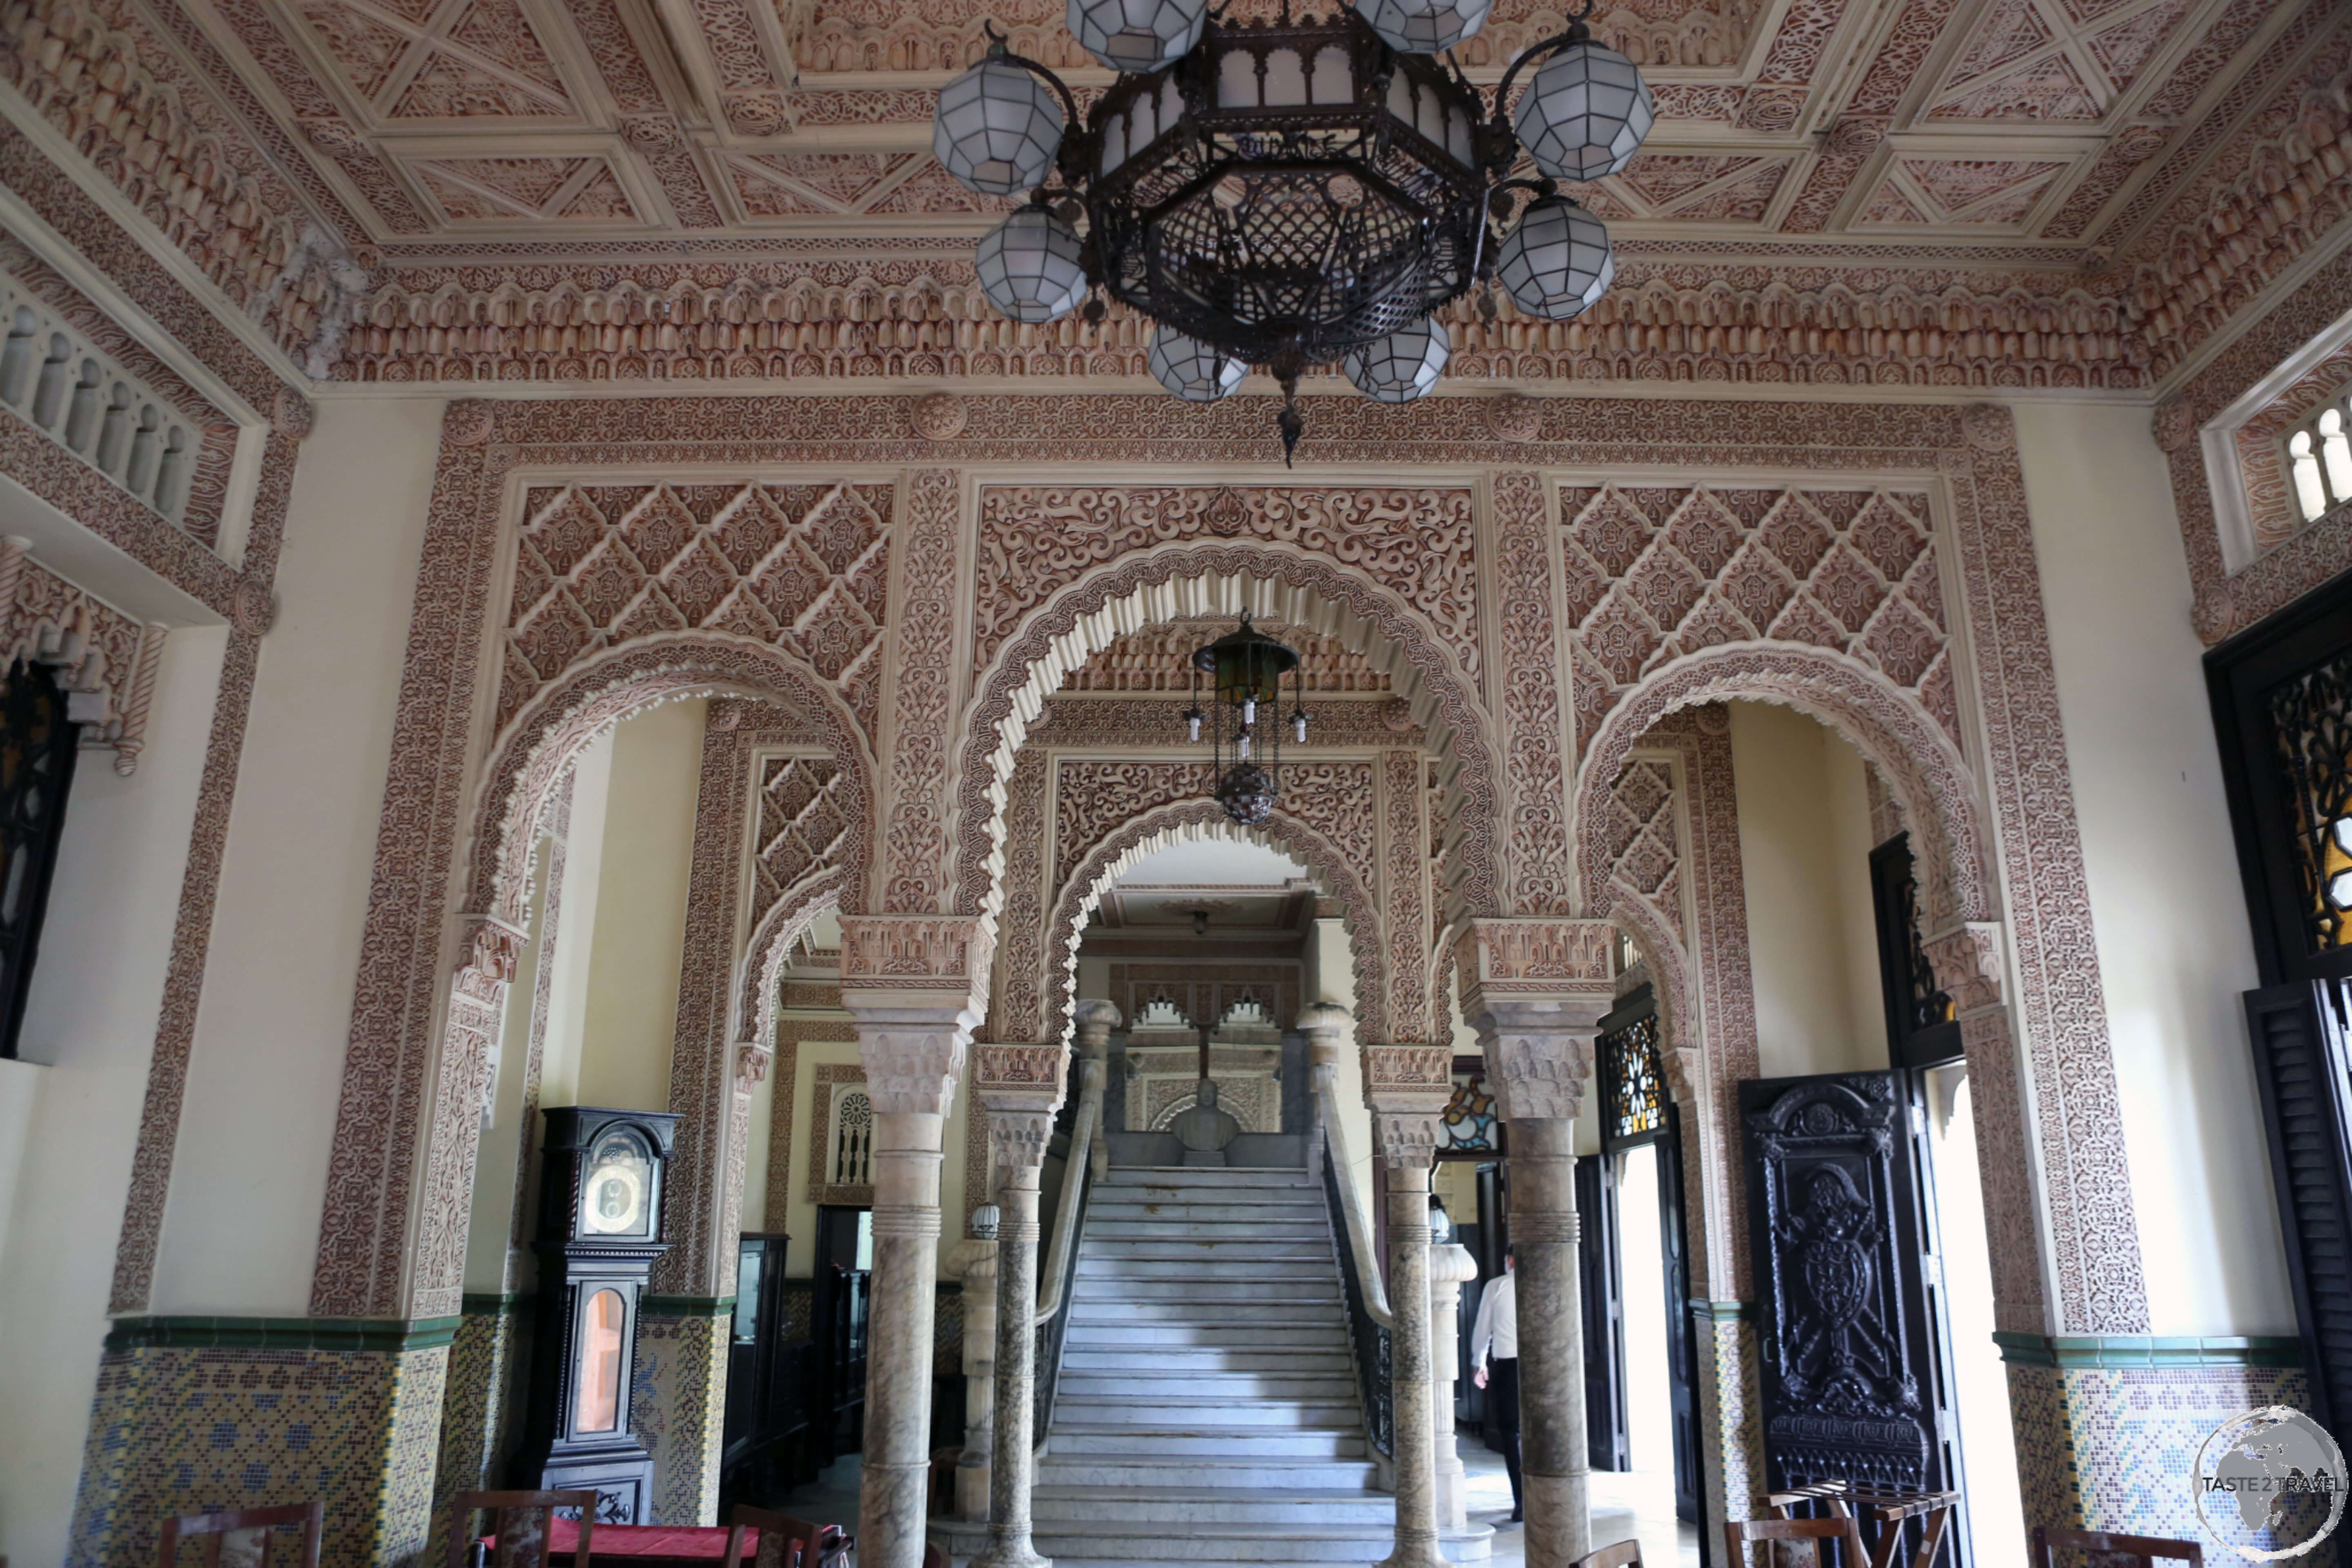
{"x": 1408, "y": 1085}
{"x": 917, "y": 985}
{"x": 1536, "y": 992}
{"x": 977, "y": 1257}
{"x": 1449, "y": 1267}
{"x": 1020, "y": 1088}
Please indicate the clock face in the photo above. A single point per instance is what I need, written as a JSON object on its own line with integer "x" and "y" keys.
{"x": 616, "y": 1196}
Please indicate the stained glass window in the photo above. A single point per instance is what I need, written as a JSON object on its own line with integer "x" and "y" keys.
{"x": 1468, "y": 1120}
{"x": 2312, "y": 717}
{"x": 1633, "y": 1082}
{"x": 37, "y": 759}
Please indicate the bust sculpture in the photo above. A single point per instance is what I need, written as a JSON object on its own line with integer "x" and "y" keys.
{"x": 1205, "y": 1129}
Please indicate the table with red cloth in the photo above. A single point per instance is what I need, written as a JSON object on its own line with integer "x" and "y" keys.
{"x": 650, "y": 1545}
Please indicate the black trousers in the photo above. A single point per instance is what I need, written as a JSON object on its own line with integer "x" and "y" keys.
{"x": 1502, "y": 1424}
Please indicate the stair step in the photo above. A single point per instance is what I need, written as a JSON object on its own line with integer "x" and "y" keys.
{"x": 1206, "y": 1230}
{"x": 1199, "y": 1542}
{"x": 1195, "y": 1268}
{"x": 1073, "y": 1439}
{"x": 1137, "y": 1387}
{"x": 1208, "y": 1176}
{"x": 1119, "y": 1206}
{"x": 1264, "y": 1331}
{"x": 1063, "y": 1506}
{"x": 1077, "y": 1360}
{"x": 1206, "y": 1248}
{"x": 1205, "y": 1472}
{"x": 1178, "y": 1410}
{"x": 1210, "y": 1290}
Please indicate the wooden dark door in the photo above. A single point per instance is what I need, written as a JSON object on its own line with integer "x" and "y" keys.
{"x": 1834, "y": 1196}
{"x": 1682, "y": 1346}
{"x": 839, "y": 1309}
{"x": 1609, "y": 1442}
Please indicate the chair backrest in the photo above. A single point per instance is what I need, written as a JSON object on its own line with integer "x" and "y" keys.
{"x": 521, "y": 1526}
{"x": 1623, "y": 1555}
{"x": 785, "y": 1542}
{"x": 258, "y": 1528}
{"x": 934, "y": 1555}
{"x": 2101, "y": 1550}
{"x": 1738, "y": 1532}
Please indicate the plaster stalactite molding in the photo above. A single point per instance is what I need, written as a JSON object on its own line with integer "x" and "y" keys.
{"x": 1266, "y": 575}
{"x": 105, "y": 661}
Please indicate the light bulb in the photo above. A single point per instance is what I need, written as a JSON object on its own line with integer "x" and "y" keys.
{"x": 1242, "y": 745}
{"x": 1249, "y": 710}
{"x": 1192, "y": 724}
{"x": 1298, "y": 722}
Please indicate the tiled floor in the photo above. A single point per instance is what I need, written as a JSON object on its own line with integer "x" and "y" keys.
{"x": 1639, "y": 1504}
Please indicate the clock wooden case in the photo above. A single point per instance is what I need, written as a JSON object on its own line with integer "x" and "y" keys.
{"x": 600, "y": 1230}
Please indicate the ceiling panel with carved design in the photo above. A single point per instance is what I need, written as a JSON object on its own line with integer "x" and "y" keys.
{"x": 1871, "y": 126}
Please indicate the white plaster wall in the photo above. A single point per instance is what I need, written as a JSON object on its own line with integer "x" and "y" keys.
{"x": 2167, "y": 903}
{"x": 241, "y": 1226}
{"x": 70, "y": 1113}
{"x": 575, "y": 932}
{"x": 1804, "y": 840}
{"x": 631, "y": 1019}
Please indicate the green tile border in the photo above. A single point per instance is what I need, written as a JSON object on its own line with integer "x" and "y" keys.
{"x": 685, "y": 1306}
{"x": 2076, "y": 1351}
{"x": 492, "y": 1306}
{"x": 341, "y": 1335}
{"x": 1721, "y": 1311}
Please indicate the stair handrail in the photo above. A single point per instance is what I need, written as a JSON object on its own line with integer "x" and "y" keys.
{"x": 1371, "y": 1323}
{"x": 1351, "y": 1203}
{"x": 1089, "y": 1161}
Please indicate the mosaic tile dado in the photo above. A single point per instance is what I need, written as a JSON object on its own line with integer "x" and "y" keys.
{"x": 2112, "y": 1446}
{"x": 481, "y": 1407}
{"x": 678, "y": 1402}
{"x": 198, "y": 1414}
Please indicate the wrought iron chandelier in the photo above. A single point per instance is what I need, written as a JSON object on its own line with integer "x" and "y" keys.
{"x": 1246, "y": 669}
{"x": 1294, "y": 192}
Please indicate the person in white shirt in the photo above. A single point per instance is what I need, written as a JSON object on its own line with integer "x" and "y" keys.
{"x": 1495, "y": 1353}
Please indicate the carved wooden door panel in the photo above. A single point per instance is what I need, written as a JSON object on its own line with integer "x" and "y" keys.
{"x": 1833, "y": 1194}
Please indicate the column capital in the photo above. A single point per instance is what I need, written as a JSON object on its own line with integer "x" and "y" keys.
{"x": 1407, "y": 1087}
{"x": 1094, "y": 1018}
{"x": 1502, "y": 963}
{"x": 1450, "y": 1263}
{"x": 1021, "y": 1085}
{"x": 1967, "y": 962}
{"x": 1323, "y": 1023}
{"x": 915, "y": 959}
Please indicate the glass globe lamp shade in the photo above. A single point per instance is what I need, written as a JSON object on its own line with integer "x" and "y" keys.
{"x": 1424, "y": 27}
{"x": 1586, "y": 113}
{"x": 1029, "y": 266}
{"x": 1402, "y": 365}
{"x": 1136, "y": 35}
{"x": 997, "y": 129}
{"x": 1192, "y": 369}
{"x": 1246, "y": 792}
{"x": 1557, "y": 261}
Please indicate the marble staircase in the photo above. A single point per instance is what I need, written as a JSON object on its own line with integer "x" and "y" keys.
{"x": 1207, "y": 1410}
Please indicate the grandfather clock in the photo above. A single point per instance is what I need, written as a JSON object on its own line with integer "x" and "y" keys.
{"x": 599, "y": 1229}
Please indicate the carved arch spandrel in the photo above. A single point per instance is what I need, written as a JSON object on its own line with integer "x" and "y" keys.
{"x": 1189, "y": 581}
{"x": 1154, "y": 830}
{"x": 359, "y": 1271}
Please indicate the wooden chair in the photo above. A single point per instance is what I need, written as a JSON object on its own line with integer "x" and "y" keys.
{"x": 934, "y": 1555}
{"x": 2101, "y": 1550}
{"x": 218, "y": 1529}
{"x": 1624, "y": 1555}
{"x": 785, "y": 1542}
{"x": 1738, "y": 1532}
{"x": 520, "y": 1526}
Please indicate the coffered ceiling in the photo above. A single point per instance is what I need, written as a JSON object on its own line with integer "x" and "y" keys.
{"x": 2011, "y": 132}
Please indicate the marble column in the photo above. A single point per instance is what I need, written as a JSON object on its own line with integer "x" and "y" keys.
{"x": 1536, "y": 991}
{"x": 975, "y": 1264}
{"x": 1408, "y": 1087}
{"x": 1449, "y": 1266}
{"x": 917, "y": 984}
{"x": 1020, "y": 1088}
